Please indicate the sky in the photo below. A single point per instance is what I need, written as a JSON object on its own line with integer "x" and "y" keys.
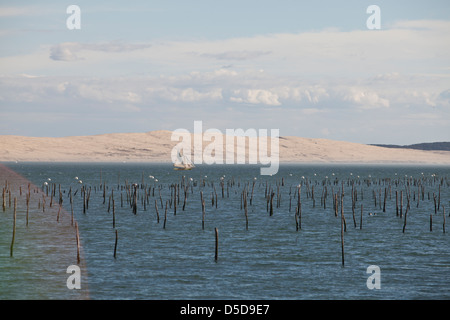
{"x": 311, "y": 69}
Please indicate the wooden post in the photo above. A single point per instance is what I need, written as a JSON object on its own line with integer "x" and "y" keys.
{"x": 135, "y": 201}
{"x": 251, "y": 197}
{"x": 28, "y": 195}
{"x": 165, "y": 214}
{"x": 14, "y": 229}
{"x": 299, "y": 208}
{"x": 404, "y": 223}
{"x": 418, "y": 196}
{"x": 114, "y": 213}
{"x": 342, "y": 229}
{"x": 375, "y": 198}
{"x": 360, "y": 221}
{"x": 246, "y": 211}
{"x": 203, "y": 213}
{"x": 336, "y": 208}
{"x": 157, "y": 211}
{"x": 175, "y": 201}
{"x": 435, "y": 205}
{"x": 78, "y": 242}
{"x": 57, "y": 217}
{"x": 115, "y": 244}
{"x": 443, "y": 215}
{"x": 401, "y": 203}
{"x": 278, "y": 196}
{"x": 4, "y": 200}
{"x": 185, "y": 197}
{"x": 216, "y": 255}
{"x": 396, "y": 202}
{"x": 342, "y": 212}
{"x": 83, "y": 190}
{"x": 439, "y": 198}
{"x": 271, "y": 203}
{"x": 353, "y": 210}
{"x": 71, "y": 209}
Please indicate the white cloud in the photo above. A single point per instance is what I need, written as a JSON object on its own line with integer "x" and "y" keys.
{"x": 17, "y": 11}
{"x": 184, "y": 95}
{"x": 68, "y": 51}
{"x": 236, "y": 55}
{"x": 227, "y": 87}
{"x": 65, "y": 52}
{"x": 405, "y": 47}
{"x": 307, "y": 94}
{"x": 255, "y": 96}
{"x": 362, "y": 97}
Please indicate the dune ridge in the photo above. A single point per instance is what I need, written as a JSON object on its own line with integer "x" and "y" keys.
{"x": 156, "y": 146}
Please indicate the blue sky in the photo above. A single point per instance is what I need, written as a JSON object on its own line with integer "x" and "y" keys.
{"x": 311, "y": 69}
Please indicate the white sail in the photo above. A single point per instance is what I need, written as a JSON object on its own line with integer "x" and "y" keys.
{"x": 184, "y": 163}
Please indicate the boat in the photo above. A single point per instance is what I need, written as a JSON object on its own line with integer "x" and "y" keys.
{"x": 184, "y": 163}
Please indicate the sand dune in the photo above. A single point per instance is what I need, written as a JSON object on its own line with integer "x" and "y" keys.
{"x": 156, "y": 146}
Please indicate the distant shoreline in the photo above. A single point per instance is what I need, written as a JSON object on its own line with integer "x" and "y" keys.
{"x": 436, "y": 146}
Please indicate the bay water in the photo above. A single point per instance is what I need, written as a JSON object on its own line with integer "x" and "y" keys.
{"x": 268, "y": 254}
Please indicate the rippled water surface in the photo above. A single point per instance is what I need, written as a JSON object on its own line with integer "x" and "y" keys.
{"x": 269, "y": 259}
